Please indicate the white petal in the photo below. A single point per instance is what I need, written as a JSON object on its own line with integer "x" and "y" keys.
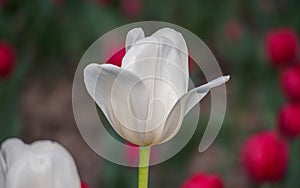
{"x": 184, "y": 105}
{"x": 162, "y": 55}
{"x": 180, "y": 44}
{"x": 122, "y": 97}
{"x": 133, "y": 36}
{"x": 43, "y": 164}
{"x": 62, "y": 164}
{"x": 15, "y": 147}
{"x": 2, "y": 170}
{"x": 157, "y": 61}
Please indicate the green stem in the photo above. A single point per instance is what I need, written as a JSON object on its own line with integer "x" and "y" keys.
{"x": 144, "y": 167}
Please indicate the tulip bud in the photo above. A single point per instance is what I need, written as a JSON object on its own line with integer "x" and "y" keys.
{"x": 281, "y": 46}
{"x": 290, "y": 82}
{"x": 265, "y": 157}
{"x": 203, "y": 181}
{"x": 7, "y": 60}
{"x": 129, "y": 89}
{"x": 289, "y": 120}
{"x": 42, "y": 164}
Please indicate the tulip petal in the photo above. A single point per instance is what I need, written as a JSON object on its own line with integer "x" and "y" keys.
{"x": 180, "y": 44}
{"x": 162, "y": 65}
{"x": 162, "y": 55}
{"x": 122, "y": 97}
{"x": 14, "y": 147}
{"x": 184, "y": 105}
{"x": 63, "y": 165}
{"x": 43, "y": 164}
{"x": 133, "y": 36}
{"x": 2, "y": 170}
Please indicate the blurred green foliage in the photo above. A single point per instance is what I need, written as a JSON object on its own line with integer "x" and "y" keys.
{"x": 50, "y": 38}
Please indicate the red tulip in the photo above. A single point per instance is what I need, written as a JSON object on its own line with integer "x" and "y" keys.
{"x": 289, "y": 120}
{"x": 83, "y": 185}
{"x": 281, "y": 46}
{"x": 203, "y": 181}
{"x": 290, "y": 82}
{"x": 7, "y": 60}
{"x": 265, "y": 157}
{"x": 113, "y": 53}
{"x": 116, "y": 59}
{"x": 131, "y": 8}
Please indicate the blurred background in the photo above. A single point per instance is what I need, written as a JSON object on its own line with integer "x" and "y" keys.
{"x": 42, "y": 41}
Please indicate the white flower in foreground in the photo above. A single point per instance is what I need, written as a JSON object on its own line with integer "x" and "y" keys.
{"x": 147, "y": 98}
{"x": 43, "y": 164}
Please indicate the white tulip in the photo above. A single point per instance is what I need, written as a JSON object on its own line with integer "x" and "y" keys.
{"x": 147, "y": 98}
{"x": 43, "y": 164}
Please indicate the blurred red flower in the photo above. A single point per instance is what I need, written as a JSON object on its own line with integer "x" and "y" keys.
{"x": 233, "y": 30}
{"x": 116, "y": 59}
{"x": 265, "y": 157}
{"x": 203, "y": 181}
{"x": 281, "y": 46}
{"x": 84, "y": 185}
{"x": 132, "y": 154}
{"x": 7, "y": 59}
{"x": 192, "y": 64}
{"x": 290, "y": 82}
{"x": 131, "y": 8}
{"x": 289, "y": 120}
{"x": 3, "y": 2}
